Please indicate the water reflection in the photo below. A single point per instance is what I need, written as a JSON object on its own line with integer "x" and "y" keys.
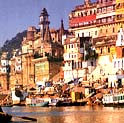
{"x": 79, "y": 114}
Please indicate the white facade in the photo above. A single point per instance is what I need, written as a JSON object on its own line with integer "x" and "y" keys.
{"x": 120, "y": 39}
{"x": 87, "y": 32}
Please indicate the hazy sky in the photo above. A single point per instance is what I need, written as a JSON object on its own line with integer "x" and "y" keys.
{"x": 17, "y": 15}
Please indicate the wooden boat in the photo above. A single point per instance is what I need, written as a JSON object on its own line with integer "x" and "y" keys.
{"x": 5, "y": 118}
{"x": 70, "y": 103}
{"x": 116, "y": 99}
{"x": 62, "y": 103}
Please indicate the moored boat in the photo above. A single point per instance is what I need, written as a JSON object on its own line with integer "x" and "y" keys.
{"x": 54, "y": 101}
{"x": 36, "y": 102}
{"x": 116, "y": 99}
{"x": 69, "y": 102}
{"x": 41, "y": 104}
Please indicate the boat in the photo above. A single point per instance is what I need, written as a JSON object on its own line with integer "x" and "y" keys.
{"x": 36, "y": 102}
{"x": 54, "y": 101}
{"x": 68, "y": 102}
{"x": 41, "y": 104}
{"x": 5, "y": 118}
{"x": 116, "y": 99}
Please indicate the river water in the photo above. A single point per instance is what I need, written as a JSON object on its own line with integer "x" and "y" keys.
{"x": 75, "y": 114}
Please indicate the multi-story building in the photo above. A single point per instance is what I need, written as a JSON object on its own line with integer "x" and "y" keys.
{"x": 42, "y": 52}
{"x": 82, "y": 20}
{"x": 4, "y": 72}
{"x": 99, "y": 22}
{"x": 40, "y": 59}
{"x": 82, "y": 23}
{"x": 93, "y": 27}
{"x": 15, "y": 73}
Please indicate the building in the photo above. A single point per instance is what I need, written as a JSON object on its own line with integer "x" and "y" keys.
{"x": 100, "y": 23}
{"x": 39, "y": 60}
{"x": 42, "y": 52}
{"x": 92, "y": 47}
{"x": 4, "y": 72}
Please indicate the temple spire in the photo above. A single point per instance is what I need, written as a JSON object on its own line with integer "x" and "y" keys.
{"x": 61, "y": 31}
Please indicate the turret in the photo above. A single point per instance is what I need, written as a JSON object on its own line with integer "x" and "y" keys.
{"x": 30, "y": 33}
{"x": 44, "y": 23}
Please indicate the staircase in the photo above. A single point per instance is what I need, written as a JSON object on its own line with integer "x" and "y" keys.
{"x": 103, "y": 69}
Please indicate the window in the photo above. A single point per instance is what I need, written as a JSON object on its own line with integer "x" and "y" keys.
{"x": 118, "y": 64}
{"x": 108, "y": 50}
{"x": 89, "y": 33}
{"x": 115, "y": 64}
{"x": 82, "y": 34}
{"x": 85, "y": 13}
{"x": 104, "y": 20}
{"x": 123, "y": 52}
{"x": 81, "y": 65}
{"x": 113, "y": 30}
{"x": 91, "y": 63}
{"x": 101, "y": 50}
{"x": 95, "y": 32}
{"x": 100, "y": 30}
{"x": 81, "y": 14}
{"x": 78, "y": 14}
{"x": 90, "y": 12}
{"x": 106, "y": 30}
{"x": 94, "y": 11}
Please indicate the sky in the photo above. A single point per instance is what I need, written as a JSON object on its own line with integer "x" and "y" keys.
{"x": 17, "y": 15}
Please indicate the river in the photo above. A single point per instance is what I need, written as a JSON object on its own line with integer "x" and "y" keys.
{"x": 75, "y": 114}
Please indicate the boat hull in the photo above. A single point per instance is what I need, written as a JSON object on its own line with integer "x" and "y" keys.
{"x": 42, "y": 104}
{"x": 5, "y": 118}
{"x": 62, "y": 103}
{"x": 116, "y": 99}
{"x": 114, "y": 105}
